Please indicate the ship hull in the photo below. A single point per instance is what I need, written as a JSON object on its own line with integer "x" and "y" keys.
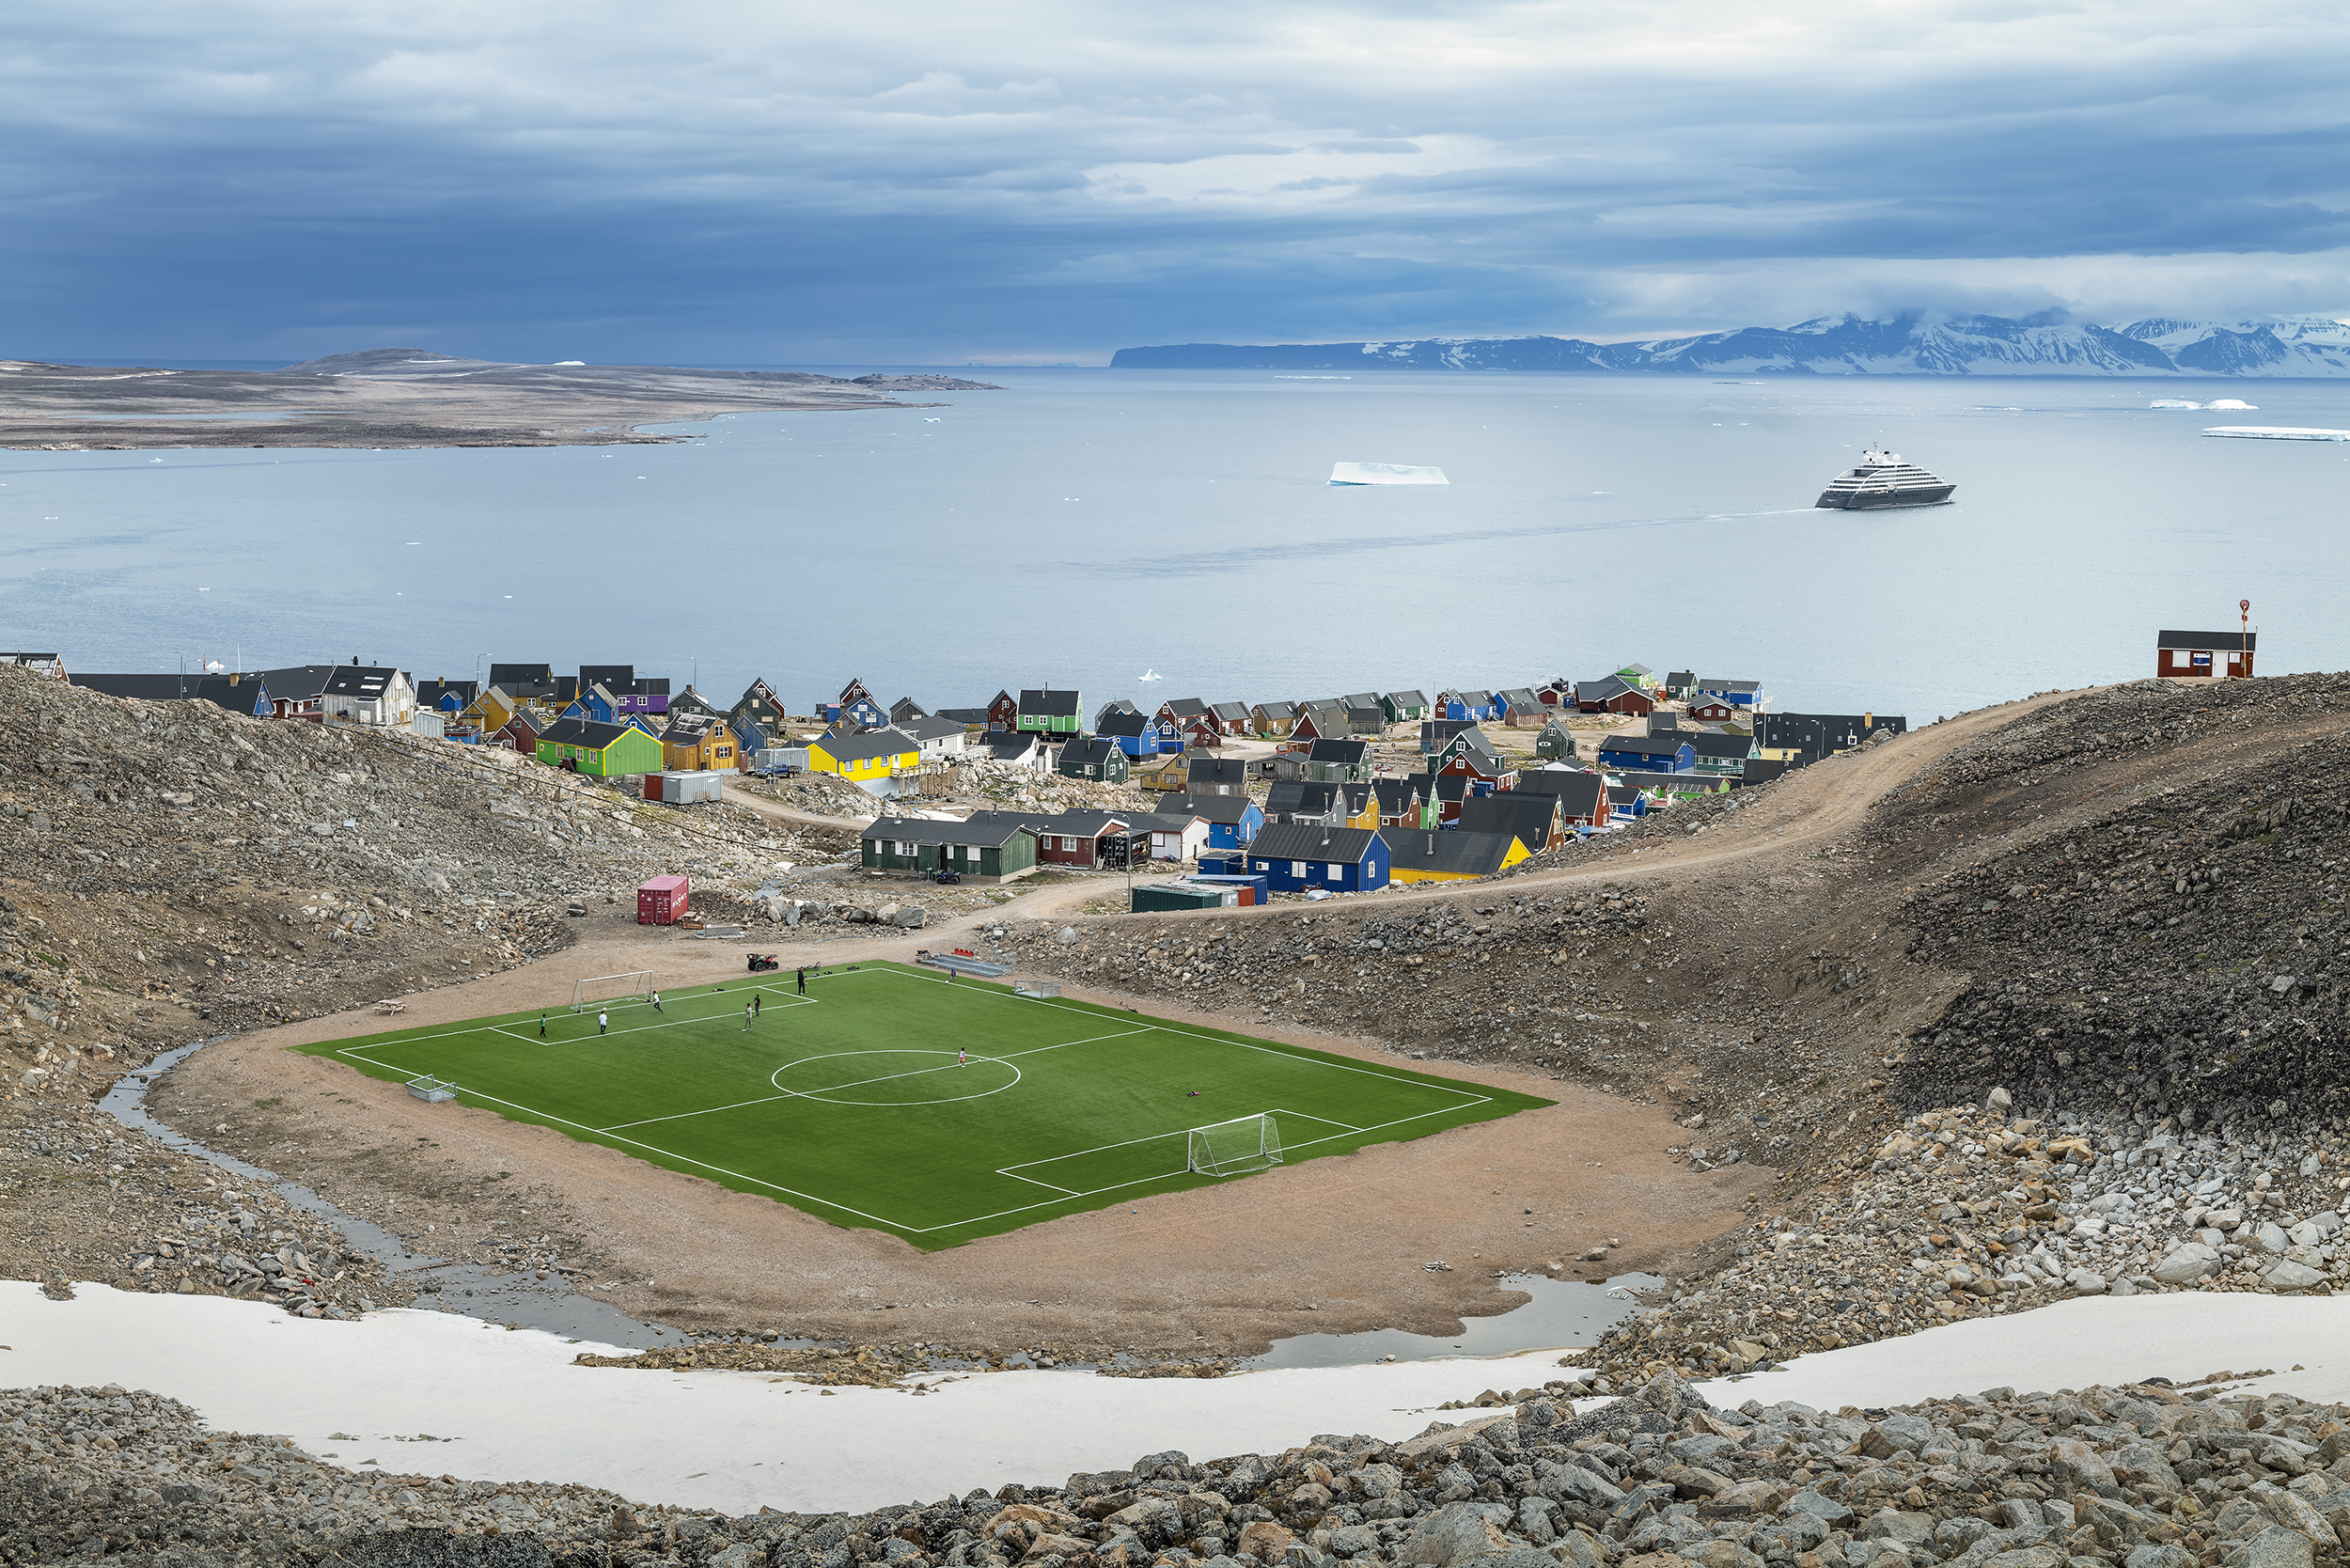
{"x": 1857, "y": 501}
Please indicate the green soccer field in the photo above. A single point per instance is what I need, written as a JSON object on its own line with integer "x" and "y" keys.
{"x": 888, "y": 1098}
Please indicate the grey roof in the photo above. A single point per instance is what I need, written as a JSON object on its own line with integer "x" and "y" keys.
{"x": 1309, "y": 796}
{"x": 1459, "y": 852}
{"x": 239, "y": 697}
{"x": 1216, "y": 770}
{"x": 1277, "y": 710}
{"x": 862, "y": 748}
{"x": 1094, "y": 749}
{"x": 1474, "y": 740}
{"x": 1576, "y": 790}
{"x": 1407, "y": 699}
{"x": 1715, "y": 743}
{"x": 932, "y": 729}
{"x": 987, "y": 829}
{"x": 1360, "y": 699}
{"x": 1047, "y": 703}
{"x": 1128, "y": 724}
{"x": 1185, "y": 707}
{"x": 1337, "y": 749}
{"x": 1680, "y": 678}
{"x": 1601, "y": 689}
{"x": 1215, "y": 809}
{"x": 1723, "y": 685}
{"x": 302, "y": 682}
{"x": 1396, "y": 796}
{"x": 585, "y": 733}
{"x": 2197, "y": 641}
{"x": 1311, "y": 841}
{"x": 687, "y": 728}
{"x": 1232, "y": 713}
{"x": 965, "y": 716}
{"x": 1520, "y": 697}
{"x": 1475, "y": 698}
{"x": 1077, "y": 825}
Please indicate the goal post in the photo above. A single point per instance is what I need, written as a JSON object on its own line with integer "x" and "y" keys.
{"x": 1235, "y": 1148}
{"x": 595, "y": 993}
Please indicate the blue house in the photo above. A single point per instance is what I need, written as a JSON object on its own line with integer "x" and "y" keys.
{"x": 1474, "y": 706}
{"x": 596, "y": 705}
{"x": 1232, "y": 819}
{"x": 750, "y": 737}
{"x": 1647, "y": 753}
{"x": 1626, "y": 803}
{"x": 1297, "y": 856}
{"x": 1738, "y": 694}
{"x": 1135, "y": 735}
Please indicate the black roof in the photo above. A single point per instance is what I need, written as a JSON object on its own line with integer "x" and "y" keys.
{"x": 1327, "y": 749}
{"x": 1311, "y": 841}
{"x": 1443, "y": 786}
{"x": 1577, "y": 791}
{"x": 1474, "y": 740}
{"x": 585, "y": 733}
{"x": 614, "y": 676}
{"x": 1216, "y": 770}
{"x": 1089, "y": 748}
{"x": 1459, "y": 852}
{"x": 1396, "y": 796}
{"x": 1128, "y": 724}
{"x": 1643, "y": 745}
{"x": 430, "y": 692}
{"x": 885, "y": 742}
{"x": 1047, "y": 703}
{"x": 1216, "y": 808}
{"x": 1088, "y": 823}
{"x": 1010, "y": 744}
{"x": 1824, "y": 732}
{"x": 1531, "y": 817}
{"x": 2198, "y": 642}
{"x": 301, "y": 683}
{"x": 987, "y": 829}
{"x": 966, "y": 716}
{"x": 1309, "y": 796}
{"x": 1185, "y": 707}
{"x": 1715, "y": 743}
{"x": 1717, "y": 683}
{"x": 242, "y": 697}
{"x": 364, "y": 682}
{"x": 1680, "y": 678}
{"x": 931, "y": 728}
{"x": 516, "y": 678}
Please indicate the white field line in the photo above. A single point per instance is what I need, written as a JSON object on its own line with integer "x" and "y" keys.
{"x": 785, "y": 999}
{"x": 1038, "y": 1050}
{"x": 1011, "y": 1171}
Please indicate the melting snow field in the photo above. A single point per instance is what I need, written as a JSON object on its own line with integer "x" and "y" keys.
{"x": 508, "y": 1405}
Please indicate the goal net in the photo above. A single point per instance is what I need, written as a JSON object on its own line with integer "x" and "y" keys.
{"x": 612, "y": 988}
{"x": 1236, "y": 1147}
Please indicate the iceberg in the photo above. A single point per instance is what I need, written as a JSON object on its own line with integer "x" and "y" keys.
{"x": 2234, "y": 404}
{"x": 2173, "y": 402}
{"x": 2276, "y": 432}
{"x": 1384, "y": 473}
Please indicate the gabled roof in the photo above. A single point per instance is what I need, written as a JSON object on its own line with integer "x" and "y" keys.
{"x": 1074, "y": 825}
{"x": 1407, "y": 699}
{"x": 305, "y": 683}
{"x": 1642, "y": 745}
{"x": 1473, "y": 741}
{"x": 1089, "y": 748}
{"x": 1715, "y": 743}
{"x": 1396, "y": 796}
{"x": 1337, "y": 749}
{"x": 1718, "y": 683}
{"x": 965, "y": 716}
{"x": 1633, "y": 669}
{"x": 1009, "y": 746}
{"x": 1231, "y": 713}
{"x": 516, "y": 677}
{"x": 1530, "y": 817}
{"x": 1301, "y": 796}
{"x": 244, "y": 696}
{"x": 1047, "y": 703}
{"x": 987, "y": 829}
{"x": 1129, "y": 725}
{"x": 464, "y": 691}
{"x": 906, "y": 708}
{"x": 1577, "y": 791}
{"x": 1276, "y": 709}
{"x": 1215, "y": 770}
{"x": 1185, "y": 707}
{"x": 1215, "y": 809}
{"x": 931, "y": 728}
{"x": 2233, "y": 642}
{"x": 1346, "y": 846}
{"x": 1442, "y": 787}
{"x": 1680, "y": 678}
{"x": 1456, "y": 852}
{"x": 614, "y": 676}
{"x": 1600, "y": 690}
{"x": 585, "y": 733}
{"x": 1360, "y": 699}
{"x": 1475, "y": 698}
{"x": 1520, "y": 697}
{"x": 865, "y": 747}
{"x": 688, "y": 728}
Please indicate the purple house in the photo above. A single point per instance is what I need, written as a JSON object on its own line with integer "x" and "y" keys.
{"x": 630, "y": 696}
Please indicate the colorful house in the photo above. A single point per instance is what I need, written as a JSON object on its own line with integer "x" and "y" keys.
{"x": 2204, "y": 655}
{"x": 447, "y": 697}
{"x": 524, "y": 682}
{"x": 1186, "y": 721}
{"x": 1521, "y": 709}
{"x": 1296, "y": 857}
{"x": 690, "y": 700}
{"x": 1092, "y": 841}
{"x": 1003, "y": 712}
{"x": 1738, "y": 694}
{"x": 1714, "y": 710}
{"x": 1475, "y": 706}
{"x": 1714, "y": 751}
{"x": 1462, "y": 855}
{"x": 1554, "y": 744}
{"x": 759, "y": 703}
{"x": 523, "y": 730}
{"x": 1403, "y": 707}
{"x": 1647, "y": 753}
{"x": 1679, "y": 684}
{"x": 1582, "y": 795}
{"x": 1133, "y": 733}
{"x": 1232, "y": 819}
{"x": 1046, "y": 712}
{"x": 1321, "y": 721}
{"x": 1470, "y": 754}
{"x": 602, "y": 750}
{"x": 1215, "y": 776}
{"x": 244, "y": 694}
{"x": 1611, "y": 695}
{"x": 696, "y": 742}
{"x": 990, "y": 847}
{"x": 1095, "y": 757}
{"x": 1532, "y": 815}
{"x": 1403, "y": 804}
{"x": 1273, "y": 721}
{"x": 1115, "y": 705}
{"x": 1231, "y": 718}
{"x": 905, "y": 711}
{"x": 1638, "y": 677}
{"x": 1338, "y": 759}
{"x": 871, "y": 754}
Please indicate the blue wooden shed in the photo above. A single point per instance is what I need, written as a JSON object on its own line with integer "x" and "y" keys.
{"x": 1294, "y": 857}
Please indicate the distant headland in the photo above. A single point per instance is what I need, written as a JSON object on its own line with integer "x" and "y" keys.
{"x": 1912, "y": 343}
{"x": 380, "y": 398}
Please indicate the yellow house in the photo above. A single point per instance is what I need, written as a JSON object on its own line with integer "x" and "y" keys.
{"x": 493, "y": 710}
{"x": 875, "y": 754}
{"x": 1362, "y": 805}
{"x": 698, "y": 743}
{"x": 1450, "y": 855}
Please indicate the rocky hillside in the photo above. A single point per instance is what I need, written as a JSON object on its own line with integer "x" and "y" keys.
{"x": 2154, "y": 1475}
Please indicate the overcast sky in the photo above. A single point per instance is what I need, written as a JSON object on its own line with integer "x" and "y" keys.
{"x": 722, "y": 181}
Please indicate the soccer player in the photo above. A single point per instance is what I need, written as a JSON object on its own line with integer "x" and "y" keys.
{"x": 604, "y": 1021}
{"x": 961, "y": 1057}
{"x": 747, "y": 1017}
{"x": 802, "y": 975}
{"x": 759, "y": 1004}
{"x": 542, "y": 1025}
{"x": 656, "y": 1001}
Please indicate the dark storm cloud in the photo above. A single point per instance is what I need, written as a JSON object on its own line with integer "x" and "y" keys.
{"x": 741, "y": 182}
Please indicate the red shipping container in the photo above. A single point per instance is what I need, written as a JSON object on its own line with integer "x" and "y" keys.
{"x": 662, "y": 900}
{"x": 652, "y": 791}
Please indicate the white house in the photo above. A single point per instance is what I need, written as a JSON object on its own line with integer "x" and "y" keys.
{"x": 369, "y": 694}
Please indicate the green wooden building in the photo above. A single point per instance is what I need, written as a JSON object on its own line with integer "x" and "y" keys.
{"x": 991, "y": 845}
{"x": 602, "y": 750}
{"x": 1051, "y": 712}
{"x": 1555, "y": 744}
{"x": 1094, "y": 757}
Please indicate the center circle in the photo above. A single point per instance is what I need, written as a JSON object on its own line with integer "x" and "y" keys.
{"x": 897, "y": 1077}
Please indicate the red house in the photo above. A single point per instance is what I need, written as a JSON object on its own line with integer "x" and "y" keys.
{"x": 1712, "y": 710}
{"x": 1003, "y": 711}
{"x": 521, "y": 732}
{"x": 2190, "y": 654}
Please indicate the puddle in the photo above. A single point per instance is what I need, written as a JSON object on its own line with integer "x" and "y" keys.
{"x": 468, "y": 1289}
{"x": 1563, "y": 1316}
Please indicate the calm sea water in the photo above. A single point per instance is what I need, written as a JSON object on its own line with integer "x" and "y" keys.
{"x": 1081, "y": 528}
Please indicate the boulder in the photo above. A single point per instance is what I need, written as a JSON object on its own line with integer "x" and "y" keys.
{"x": 1575, "y": 1549}
{"x": 2277, "y": 1548}
{"x": 2294, "y": 1512}
{"x": 1690, "y": 1480}
{"x": 1720, "y": 1554}
{"x": 1450, "y": 1534}
{"x": 2188, "y": 1263}
{"x": 1266, "y": 1541}
{"x": 1826, "y": 1510}
{"x": 2080, "y": 1464}
{"x": 2271, "y": 1237}
{"x": 2286, "y": 1275}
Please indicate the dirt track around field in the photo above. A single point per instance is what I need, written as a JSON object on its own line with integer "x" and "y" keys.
{"x": 1334, "y": 1245}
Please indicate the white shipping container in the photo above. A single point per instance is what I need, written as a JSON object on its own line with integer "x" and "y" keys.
{"x": 684, "y": 789}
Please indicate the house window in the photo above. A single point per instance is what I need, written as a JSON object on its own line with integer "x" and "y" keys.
{"x": 1297, "y": 867}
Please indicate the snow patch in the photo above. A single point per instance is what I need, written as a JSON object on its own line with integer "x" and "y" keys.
{"x": 1384, "y": 473}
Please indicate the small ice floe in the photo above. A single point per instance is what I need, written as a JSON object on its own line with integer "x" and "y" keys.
{"x": 1384, "y": 473}
{"x": 2234, "y": 404}
{"x": 571, "y": 362}
{"x": 2175, "y": 403}
{"x": 2276, "y": 432}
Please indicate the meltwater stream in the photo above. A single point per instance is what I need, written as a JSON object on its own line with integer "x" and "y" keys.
{"x": 507, "y": 1298}
{"x": 1563, "y": 1314}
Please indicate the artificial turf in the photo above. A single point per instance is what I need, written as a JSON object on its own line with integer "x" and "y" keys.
{"x": 850, "y": 1103}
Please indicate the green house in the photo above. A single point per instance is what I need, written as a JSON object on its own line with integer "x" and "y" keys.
{"x": 1094, "y": 757}
{"x": 1553, "y": 744}
{"x": 1050, "y": 713}
{"x": 992, "y": 845}
{"x": 1405, "y": 707}
{"x": 601, "y": 750}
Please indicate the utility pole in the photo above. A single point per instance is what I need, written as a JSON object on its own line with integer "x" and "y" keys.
{"x": 2244, "y": 610}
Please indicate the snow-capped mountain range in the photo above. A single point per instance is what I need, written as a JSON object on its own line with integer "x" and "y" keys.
{"x": 1915, "y": 343}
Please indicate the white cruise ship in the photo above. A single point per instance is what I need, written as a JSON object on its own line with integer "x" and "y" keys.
{"x": 1883, "y": 479}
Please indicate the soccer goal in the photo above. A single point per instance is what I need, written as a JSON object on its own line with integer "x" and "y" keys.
{"x": 1236, "y": 1147}
{"x": 432, "y": 1089}
{"x": 612, "y": 988}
